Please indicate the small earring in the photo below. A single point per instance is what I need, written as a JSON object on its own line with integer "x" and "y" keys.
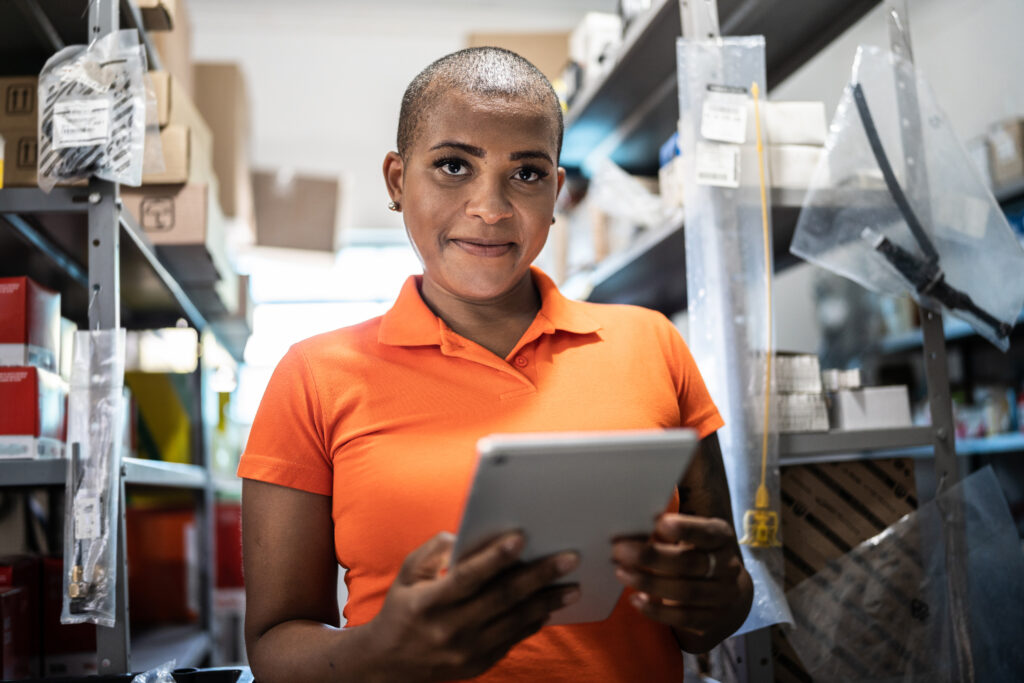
{"x": 394, "y": 206}
{"x": 552, "y": 220}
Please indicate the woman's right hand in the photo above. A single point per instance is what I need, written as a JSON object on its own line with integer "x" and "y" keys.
{"x": 438, "y": 626}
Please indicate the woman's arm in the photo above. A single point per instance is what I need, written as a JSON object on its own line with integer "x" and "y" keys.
{"x": 677, "y": 583}
{"x": 291, "y": 614}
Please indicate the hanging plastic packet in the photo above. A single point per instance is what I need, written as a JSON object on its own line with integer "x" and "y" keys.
{"x": 884, "y": 611}
{"x": 728, "y": 273}
{"x": 92, "y": 488}
{"x": 92, "y": 119}
{"x": 944, "y": 240}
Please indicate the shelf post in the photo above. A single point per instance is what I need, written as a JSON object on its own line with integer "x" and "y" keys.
{"x": 112, "y": 651}
{"x": 935, "y": 364}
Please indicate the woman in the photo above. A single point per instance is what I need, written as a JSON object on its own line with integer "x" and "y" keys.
{"x": 364, "y": 445}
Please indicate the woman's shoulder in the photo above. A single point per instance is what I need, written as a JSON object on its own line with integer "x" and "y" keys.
{"x": 352, "y": 340}
{"x": 615, "y": 316}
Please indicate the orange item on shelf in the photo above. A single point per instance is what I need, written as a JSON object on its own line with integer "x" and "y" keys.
{"x": 163, "y": 565}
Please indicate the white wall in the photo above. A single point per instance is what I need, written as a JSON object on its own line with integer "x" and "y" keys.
{"x": 971, "y": 52}
{"x": 326, "y": 77}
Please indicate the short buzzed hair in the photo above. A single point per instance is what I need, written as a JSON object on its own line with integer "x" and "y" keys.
{"x": 476, "y": 70}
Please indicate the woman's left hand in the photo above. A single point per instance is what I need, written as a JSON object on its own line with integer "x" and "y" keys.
{"x": 689, "y": 575}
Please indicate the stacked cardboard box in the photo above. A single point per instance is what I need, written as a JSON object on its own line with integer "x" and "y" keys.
{"x": 297, "y": 212}
{"x": 163, "y": 565}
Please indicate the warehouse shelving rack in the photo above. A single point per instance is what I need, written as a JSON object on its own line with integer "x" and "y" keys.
{"x": 82, "y": 242}
{"x": 628, "y": 112}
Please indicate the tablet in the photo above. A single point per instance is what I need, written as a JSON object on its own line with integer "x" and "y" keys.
{"x": 574, "y": 491}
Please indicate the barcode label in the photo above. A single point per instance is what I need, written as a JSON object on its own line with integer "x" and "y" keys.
{"x": 718, "y": 165}
{"x": 724, "y": 117}
{"x": 81, "y": 123}
{"x": 87, "y": 515}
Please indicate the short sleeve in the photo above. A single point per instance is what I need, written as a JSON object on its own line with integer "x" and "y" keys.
{"x": 696, "y": 409}
{"x": 286, "y": 442}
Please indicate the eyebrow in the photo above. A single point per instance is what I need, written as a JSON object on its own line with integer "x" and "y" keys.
{"x": 481, "y": 153}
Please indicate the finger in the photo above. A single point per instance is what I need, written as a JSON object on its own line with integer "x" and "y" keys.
{"x": 466, "y": 577}
{"x": 684, "y": 592}
{"x": 694, "y": 619}
{"x": 516, "y": 624}
{"x": 427, "y": 561}
{"x": 699, "y": 532}
{"x": 657, "y": 558}
{"x": 516, "y": 586}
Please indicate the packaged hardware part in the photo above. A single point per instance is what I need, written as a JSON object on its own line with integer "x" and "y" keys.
{"x": 92, "y": 488}
{"x": 92, "y": 114}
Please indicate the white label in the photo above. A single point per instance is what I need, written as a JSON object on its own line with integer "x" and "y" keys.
{"x": 718, "y": 165}
{"x": 87, "y": 515}
{"x": 81, "y": 123}
{"x": 724, "y": 117}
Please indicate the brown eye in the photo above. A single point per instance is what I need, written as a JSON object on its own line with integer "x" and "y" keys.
{"x": 452, "y": 167}
{"x": 528, "y": 174}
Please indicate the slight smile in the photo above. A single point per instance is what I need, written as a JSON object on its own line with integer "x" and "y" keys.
{"x": 484, "y": 247}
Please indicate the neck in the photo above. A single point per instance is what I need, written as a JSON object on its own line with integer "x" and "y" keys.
{"x": 495, "y": 325}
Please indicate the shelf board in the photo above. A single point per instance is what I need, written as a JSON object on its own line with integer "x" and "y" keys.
{"x": 912, "y": 340}
{"x": 630, "y": 110}
{"x": 188, "y": 645}
{"x": 52, "y": 472}
{"x": 45, "y": 236}
{"x": 652, "y": 272}
{"x": 911, "y": 442}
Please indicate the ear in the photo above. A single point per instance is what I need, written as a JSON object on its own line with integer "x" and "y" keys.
{"x": 394, "y": 175}
{"x": 561, "y": 181}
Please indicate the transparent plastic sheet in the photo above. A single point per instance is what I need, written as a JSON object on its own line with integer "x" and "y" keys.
{"x": 883, "y": 612}
{"x": 153, "y": 152}
{"x": 728, "y": 294}
{"x": 890, "y": 237}
{"x": 160, "y": 674}
{"x": 93, "y": 112}
{"x": 92, "y": 488}
{"x": 619, "y": 194}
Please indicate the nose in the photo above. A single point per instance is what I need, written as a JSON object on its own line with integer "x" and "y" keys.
{"x": 489, "y": 203}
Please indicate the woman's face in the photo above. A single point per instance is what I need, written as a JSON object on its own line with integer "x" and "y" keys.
{"x": 477, "y": 189}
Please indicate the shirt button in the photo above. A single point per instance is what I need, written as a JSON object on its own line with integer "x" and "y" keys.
{"x": 521, "y": 361}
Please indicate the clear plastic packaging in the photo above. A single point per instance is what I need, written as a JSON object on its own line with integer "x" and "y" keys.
{"x": 160, "y": 674}
{"x": 619, "y": 194}
{"x": 885, "y": 611}
{"x": 92, "y": 119}
{"x": 92, "y": 488}
{"x": 944, "y": 241}
{"x": 728, "y": 265}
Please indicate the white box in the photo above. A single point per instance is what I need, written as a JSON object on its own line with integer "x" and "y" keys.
{"x": 871, "y": 408}
{"x": 800, "y": 413}
{"x": 797, "y": 373}
{"x": 595, "y": 36}
{"x": 793, "y": 166}
{"x": 790, "y": 123}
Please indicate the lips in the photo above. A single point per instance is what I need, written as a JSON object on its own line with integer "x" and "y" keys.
{"x": 485, "y": 248}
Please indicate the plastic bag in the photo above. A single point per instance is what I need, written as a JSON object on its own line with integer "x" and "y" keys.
{"x": 92, "y": 118}
{"x": 92, "y": 488}
{"x": 883, "y": 612}
{"x": 945, "y": 240}
{"x": 160, "y": 674}
{"x": 619, "y": 194}
{"x": 728, "y": 265}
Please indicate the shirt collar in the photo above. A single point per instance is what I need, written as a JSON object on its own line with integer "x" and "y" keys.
{"x": 410, "y": 322}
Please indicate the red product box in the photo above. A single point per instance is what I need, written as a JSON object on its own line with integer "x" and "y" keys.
{"x": 25, "y": 572}
{"x": 29, "y": 324}
{"x": 163, "y": 565}
{"x": 228, "y": 534}
{"x": 33, "y": 401}
{"x": 14, "y": 622}
{"x": 68, "y": 649}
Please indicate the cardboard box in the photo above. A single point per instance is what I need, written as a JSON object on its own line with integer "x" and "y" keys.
{"x": 301, "y": 212}
{"x": 223, "y": 102}
{"x": 1006, "y": 151}
{"x": 157, "y": 15}
{"x": 25, "y": 573}
{"x": 68, "y": 649}
{"x": 175, "y": 47}
{"x": 549, "y": 52}
{"x": 29, "y": 324}
{"x": 21, "y": 147}
{"x": 34, "y": 403}
{"x": 871, "y": 408}
{"x": 829, "y": 509}
{"x": 15, "y": 657}
{"x": 163, "y": 565}
{"x": 18, "y": 102}
{"x": 795, "y": 413}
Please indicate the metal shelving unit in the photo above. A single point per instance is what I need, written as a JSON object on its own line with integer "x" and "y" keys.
{"x": 82, "y": 242}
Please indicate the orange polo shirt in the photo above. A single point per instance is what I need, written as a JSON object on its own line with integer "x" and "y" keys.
{"x": 384, "y": 417}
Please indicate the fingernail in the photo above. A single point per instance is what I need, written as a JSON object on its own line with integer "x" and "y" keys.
{"x": 567, "y": 562}
{"x": 639, "y": 599}
{"x": 571, "y": 597}
{"x": 513, "y": 544}
{"x": 623, "y": 575}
